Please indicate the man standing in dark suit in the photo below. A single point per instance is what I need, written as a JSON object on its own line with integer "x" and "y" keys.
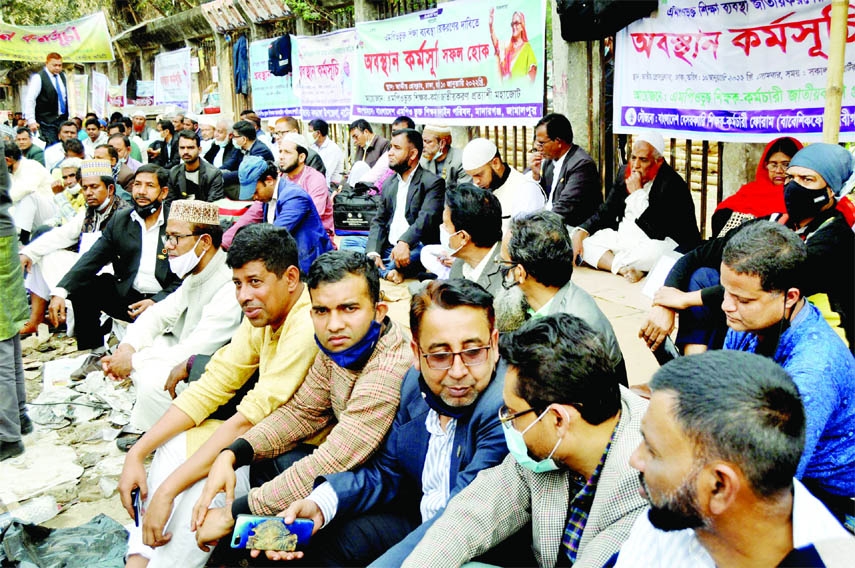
{"x": 132, "y": 242}
{"x": 569, "y": 176}
{"x": 164, "y": 152}
{"x": 194, "y": 176}
{"x": 46, "y": 103}
{"x": 245, "y": 140}
{"x": 410, "y": 212}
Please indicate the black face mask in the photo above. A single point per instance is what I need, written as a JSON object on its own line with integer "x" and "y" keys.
{"x": 145, "y": 210}
{"x": 803, "y": 203}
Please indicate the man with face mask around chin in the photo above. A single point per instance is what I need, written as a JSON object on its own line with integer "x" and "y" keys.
{"x": 340, "y": 414}
{"x": 132, "y": 243}
{"x": 762, "y": 267}
{"x": 198, "y": 318}
{"x": 817, "y": 175}
{"x": 570, "y": 429}
{"x": 722, "y": 439}
{"x": 446, "y": 430}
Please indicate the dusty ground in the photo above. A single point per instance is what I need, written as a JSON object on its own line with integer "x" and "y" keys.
{"x": 80, "y": 469}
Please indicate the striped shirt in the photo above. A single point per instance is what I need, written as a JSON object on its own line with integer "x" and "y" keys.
{"x": 436, "y": 484}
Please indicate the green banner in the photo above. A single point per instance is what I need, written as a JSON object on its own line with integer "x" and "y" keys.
{"x": 86, "y": 40}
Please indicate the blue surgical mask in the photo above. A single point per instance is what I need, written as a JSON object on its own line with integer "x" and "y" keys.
{"x": 518, "y": 449}
{"x": 355, "y": 356}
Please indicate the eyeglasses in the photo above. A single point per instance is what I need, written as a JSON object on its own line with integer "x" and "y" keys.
{"x": 172, "y": 240}
{"x": 506, "y": 417}
{"x": 505, "y": 266}
{"x": 445, "y": 360}
{"x": 538, "y": 145}
{"x": 777, "y": 166}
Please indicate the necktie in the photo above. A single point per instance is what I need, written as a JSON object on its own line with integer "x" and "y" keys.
{"x": 62, "y": 109}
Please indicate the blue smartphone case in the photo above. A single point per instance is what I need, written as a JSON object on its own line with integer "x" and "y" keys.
{"x": 270, "y": 533}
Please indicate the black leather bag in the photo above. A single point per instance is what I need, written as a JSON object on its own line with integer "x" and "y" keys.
{"x": 354, "y": 208}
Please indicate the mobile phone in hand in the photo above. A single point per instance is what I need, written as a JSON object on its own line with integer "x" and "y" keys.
{"x": 135, "y": 500}
{"x": 271, "y": 533}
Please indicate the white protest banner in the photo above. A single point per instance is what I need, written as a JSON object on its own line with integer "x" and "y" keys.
{"x": 734, "y": 70}
{"x": 473, "y": 62}
{"x": 271, "y": 95}
{"x": 326, "y": 67}
{"x": 145, "y": 94}
{"x": 78, "y": 89}
{"x": 100, "y": 86}
{"x": 172, "y": 78}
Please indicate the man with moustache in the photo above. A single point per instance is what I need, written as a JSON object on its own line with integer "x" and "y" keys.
{"x": 517, "y": 193}
{"x": 47, "y": 259}
{"x": 440, "y": 158}
{"x": 194, "y": 178}
{"x": 341, "y": 413}
{"x": 722, "y": 440}
{"x": 131, "y": 242}
{"x": 410, "y": 210}
{"x": 566, "y": 486}
{"x": 263, "y": 366}
{"x": 445, "y": 431}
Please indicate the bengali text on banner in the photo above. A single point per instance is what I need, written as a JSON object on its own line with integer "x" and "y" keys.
{"x": 468, "y": 62}
{"x": 86, "y": 40}
{"x": 272, "y": 96}
{"x": 733, "y": 70}
{"x": 325, "y": 79}
{"x": 172, "y": 78}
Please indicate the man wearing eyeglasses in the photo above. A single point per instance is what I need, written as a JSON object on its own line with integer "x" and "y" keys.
{"x": 445, "y": 432}
{"x": 198, "y": 318}
{"x": 570, "y": 429}
{"x": 131, "y": 242}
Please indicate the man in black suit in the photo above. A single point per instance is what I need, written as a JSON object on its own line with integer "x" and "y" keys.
{"x": 132, "y": 242}
{"x": 569, "y": 177}
{"x": 410, "y": 211}
{"x": 194, "y": 176}
{"x": 245, "y": 139}
{"x": 164, "y": 152}
{"x": 46, "y": 103}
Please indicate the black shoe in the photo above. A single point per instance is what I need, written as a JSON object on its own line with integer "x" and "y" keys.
{"x": 11, "y": 449}
{"x": 26, "y": 425}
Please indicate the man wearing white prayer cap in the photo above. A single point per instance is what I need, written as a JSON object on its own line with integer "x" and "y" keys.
{"x": 199, "y": 317}
{"x": 517, "y": 193}
{"x": 648, "y": 211}
{"x": 438, "y": 157}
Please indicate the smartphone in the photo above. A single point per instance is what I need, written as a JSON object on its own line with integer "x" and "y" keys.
{"x": 271, "y": 533}
{"x": 135, "y": 500}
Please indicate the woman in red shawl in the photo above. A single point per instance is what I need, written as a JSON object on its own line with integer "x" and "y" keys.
{"x": 764, "y": 195}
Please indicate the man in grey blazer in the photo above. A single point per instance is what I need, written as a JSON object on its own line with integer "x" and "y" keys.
{"x": 410, "y": 210}
{"x": 570, "y": 429}
{"x": 440, "y": 158}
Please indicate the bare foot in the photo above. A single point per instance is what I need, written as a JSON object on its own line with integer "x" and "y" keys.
{"x": 631, "y": 274}
{"x": 394, "y": 277}
{"x": 30, "y": 328}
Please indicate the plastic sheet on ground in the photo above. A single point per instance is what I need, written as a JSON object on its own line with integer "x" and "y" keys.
{"x": 46, "y": 463}
{"x": 100, "y": 543}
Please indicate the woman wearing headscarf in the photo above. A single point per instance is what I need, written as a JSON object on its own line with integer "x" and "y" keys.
{"x": 764, "y": 195}
{"x": 517, "y": 60}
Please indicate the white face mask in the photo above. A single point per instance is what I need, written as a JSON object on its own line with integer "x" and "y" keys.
{"x": 445, "y": 240}
{"x": 221, "y": 143}
{"x": 184, "y": 264}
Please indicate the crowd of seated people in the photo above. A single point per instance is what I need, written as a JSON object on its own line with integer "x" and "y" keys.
{"x": 496, "y": 425}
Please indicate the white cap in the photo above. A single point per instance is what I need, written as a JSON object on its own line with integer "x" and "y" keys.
{"x": 477, "y": 153}
{"x": 138, "y": 113}
{"x": 653, "y": 138}
{"x": 297, "y": 139}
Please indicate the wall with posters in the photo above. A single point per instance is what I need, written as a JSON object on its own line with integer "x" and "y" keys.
{"x": 467, "y": 63}
{"x": 739, "y": 70}
{"x": 271, "y": 95}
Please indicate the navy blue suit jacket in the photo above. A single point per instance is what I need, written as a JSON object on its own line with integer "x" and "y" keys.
{"x": 296, "y": 211}
{"x": 230, "y": 169}
{"x": 395, "y": 472}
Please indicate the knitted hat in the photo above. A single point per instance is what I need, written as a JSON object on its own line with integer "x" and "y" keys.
{"x": 831, "y": 161}
{"x": 250, "y": 171}
{"x": 477, "y": 153}
{"x": 195, "y": 211}
{"x": 98, "y": 168}
{"x": 297, "y": 139}
{"x": 438, "y": 130}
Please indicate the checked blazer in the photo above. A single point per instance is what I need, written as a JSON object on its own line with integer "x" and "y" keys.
{"x": 501, "y": 500}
